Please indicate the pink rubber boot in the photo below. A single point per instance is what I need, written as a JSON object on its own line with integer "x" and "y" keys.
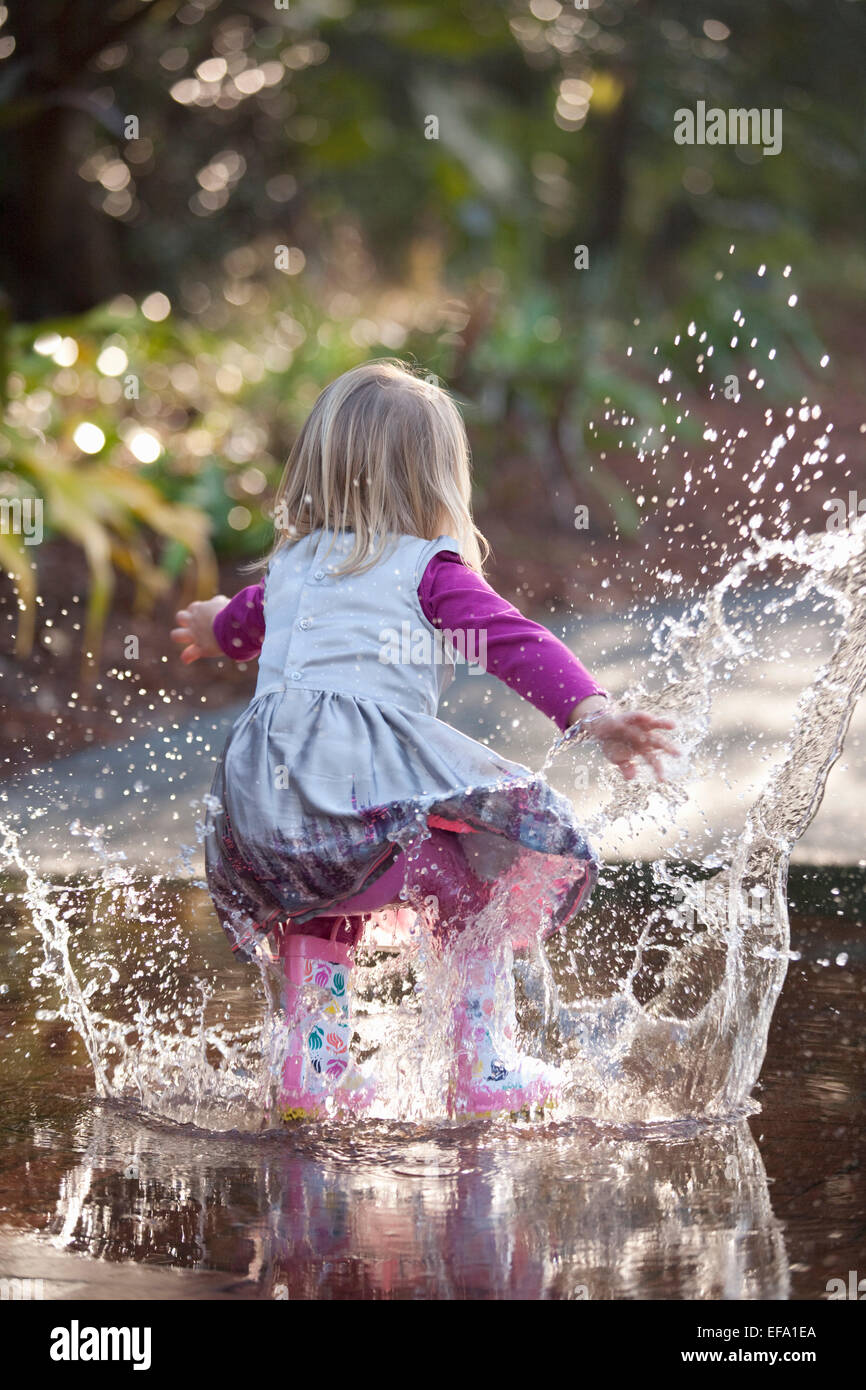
{"x": 319, "y": 1076}
{"x": 491, "y": 1075}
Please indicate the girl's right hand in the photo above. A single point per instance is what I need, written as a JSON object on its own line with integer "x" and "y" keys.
{"x": 194, "y": 631}
{"x": 626, "y": 737}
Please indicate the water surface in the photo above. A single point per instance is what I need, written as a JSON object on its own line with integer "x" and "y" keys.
{"x": 768, "y": 1206}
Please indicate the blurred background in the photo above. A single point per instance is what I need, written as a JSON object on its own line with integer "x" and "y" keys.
{"x": 210, "y": 209}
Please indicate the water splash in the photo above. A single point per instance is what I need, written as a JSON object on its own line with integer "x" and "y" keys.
{"x": 696, "y": 1046}
{"x": 640, "y": 1042}
{"x": 163, "y": 1051}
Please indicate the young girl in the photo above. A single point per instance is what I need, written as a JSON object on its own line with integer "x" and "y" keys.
{"x": 339, "y": 792}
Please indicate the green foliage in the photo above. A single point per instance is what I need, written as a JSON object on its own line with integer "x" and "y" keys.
{"x": 153, "y": 443}
{"x": 101, "y": 503}
{"x": 307, "y": 128}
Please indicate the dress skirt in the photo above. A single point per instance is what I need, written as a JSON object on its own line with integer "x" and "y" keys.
{"x": 318, "y": 792}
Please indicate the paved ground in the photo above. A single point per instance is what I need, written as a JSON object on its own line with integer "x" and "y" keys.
{"x": 143, "y": 792}
{"x": 46, "y": 1272}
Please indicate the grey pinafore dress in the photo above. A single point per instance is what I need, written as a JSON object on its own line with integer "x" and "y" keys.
{"x": 339, "y": 759}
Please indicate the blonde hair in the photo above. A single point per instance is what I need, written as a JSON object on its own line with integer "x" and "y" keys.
{"x": 383, "y": 453}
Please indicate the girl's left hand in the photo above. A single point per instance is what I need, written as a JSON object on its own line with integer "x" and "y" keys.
{"x": 194, "y": 631}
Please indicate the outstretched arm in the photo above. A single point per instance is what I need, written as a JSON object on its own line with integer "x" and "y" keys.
{"x": 529, "y": 659}
{"x": 222, "y": 627}
{"x": 239, "y": 628}
{"x": 523, "y": 654}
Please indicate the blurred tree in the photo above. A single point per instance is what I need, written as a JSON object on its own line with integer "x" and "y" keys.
{"x": 552, "y": 121}
{"x": 433, "y": 171}
{"x": 61, "y": 253}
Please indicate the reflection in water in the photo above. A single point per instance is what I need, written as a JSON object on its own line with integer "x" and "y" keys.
{"x": 565, "y": 1213}
{"x": 388, "y": 1209}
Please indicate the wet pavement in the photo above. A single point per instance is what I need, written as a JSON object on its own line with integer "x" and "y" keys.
{"x": 98, "y": 1199}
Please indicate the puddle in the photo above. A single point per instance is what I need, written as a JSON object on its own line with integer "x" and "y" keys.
{"x": 768, "y": 1207}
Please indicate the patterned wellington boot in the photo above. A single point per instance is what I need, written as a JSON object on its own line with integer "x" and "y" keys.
{"x": 492, "y": 1077}
{"x": 319, "y": 1074}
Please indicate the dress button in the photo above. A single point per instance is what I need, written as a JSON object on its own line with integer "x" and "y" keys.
{"x": 296, "y": 675}
{"x": 320, "y": 574}
{"x": 305, "y": 623}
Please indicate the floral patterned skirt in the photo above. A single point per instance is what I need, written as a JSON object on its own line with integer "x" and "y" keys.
{"x": 318, "y": 792}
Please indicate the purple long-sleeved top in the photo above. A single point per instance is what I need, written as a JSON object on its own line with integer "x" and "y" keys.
{"x": 523, "y": 654}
